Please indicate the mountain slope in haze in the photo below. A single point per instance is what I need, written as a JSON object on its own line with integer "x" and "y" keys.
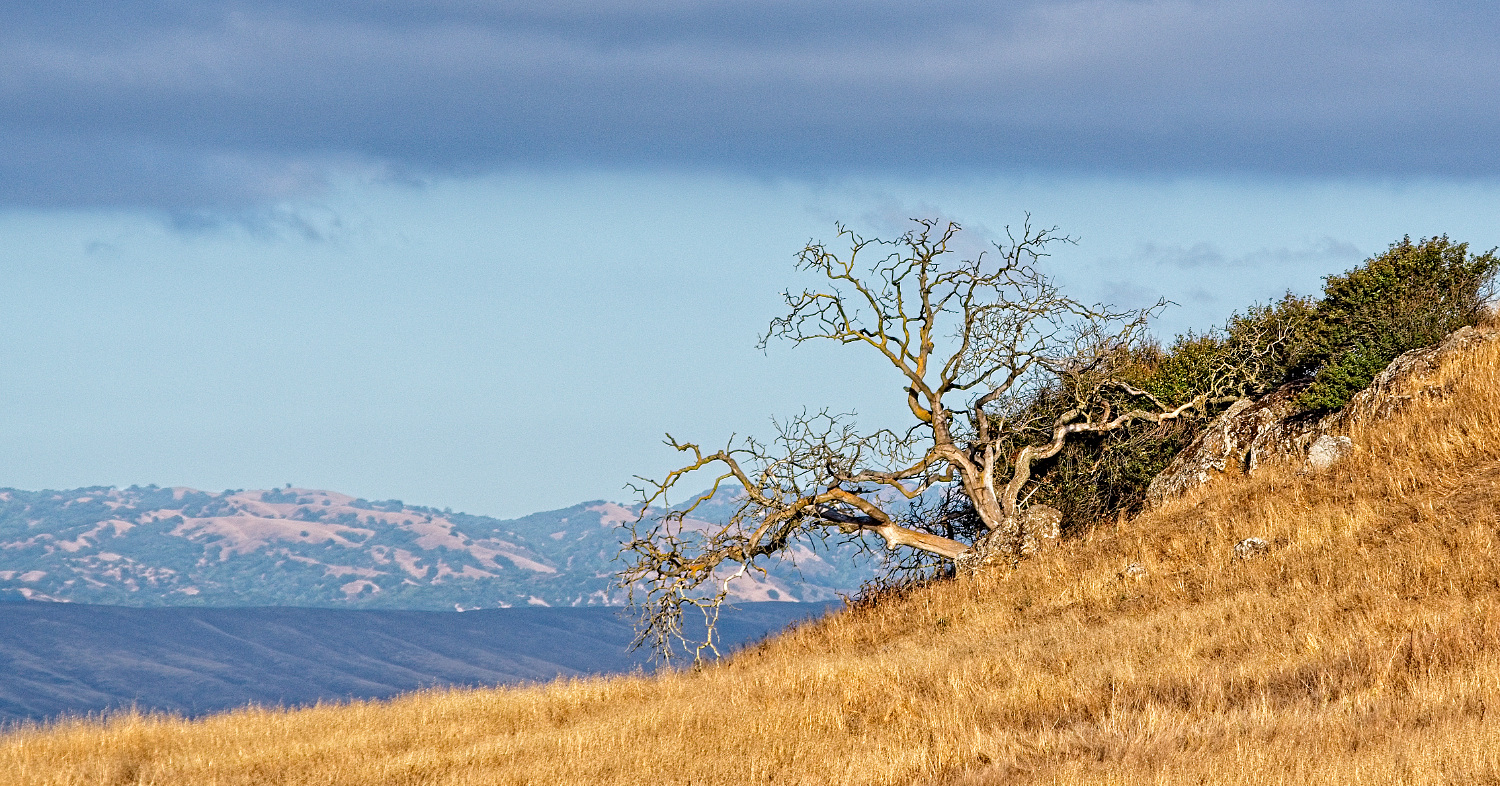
{"x": 72, "y": 659}
{"x": 152, "y": 546}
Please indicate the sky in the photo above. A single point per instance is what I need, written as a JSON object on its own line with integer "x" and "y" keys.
{"x": 483, "y": 255}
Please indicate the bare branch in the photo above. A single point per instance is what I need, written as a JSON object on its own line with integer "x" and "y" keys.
{"x": 975, "y": 345}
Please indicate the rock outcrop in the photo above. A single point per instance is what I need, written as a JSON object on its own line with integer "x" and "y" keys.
{"x": 1406, "y": 379}
{"x": 1041, "y": 525}
{"x": 1250, "y": 433}
{"x": 1036, "y": 527}
{"x": 1269, "y": 430}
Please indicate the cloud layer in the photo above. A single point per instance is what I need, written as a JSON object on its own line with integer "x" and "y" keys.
{"x": 206, "y": 104}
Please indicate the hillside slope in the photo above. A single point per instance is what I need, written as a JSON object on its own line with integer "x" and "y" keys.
{"x": 1363, "y": 648}
{"x": 151, "y": 546}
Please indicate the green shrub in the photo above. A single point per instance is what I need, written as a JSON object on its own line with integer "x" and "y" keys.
{"x": 1095, "y": 479}
{"x": 1262, "y": 343}
{"x": 1411, "y": 296}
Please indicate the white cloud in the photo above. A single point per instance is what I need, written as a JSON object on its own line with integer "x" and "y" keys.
{"x": 1208, "y": 255}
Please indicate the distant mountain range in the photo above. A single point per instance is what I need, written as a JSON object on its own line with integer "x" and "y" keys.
{"x": 153, "y": 546}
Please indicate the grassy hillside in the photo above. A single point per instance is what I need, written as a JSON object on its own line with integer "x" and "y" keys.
{"x": 1365, "y": 648}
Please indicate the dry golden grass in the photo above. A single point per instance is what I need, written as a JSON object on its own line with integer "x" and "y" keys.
{"x": 1364, "y": 649}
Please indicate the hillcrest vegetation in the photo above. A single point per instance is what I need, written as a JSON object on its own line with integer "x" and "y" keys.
{"x": 1290, "y": 625}
{"x": 1032, "y": 412}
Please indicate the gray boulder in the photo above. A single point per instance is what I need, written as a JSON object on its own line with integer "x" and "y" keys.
{"x": 1328, "y": 450}
{"x": 1251, "y": 433}
{"x": 1041, "y": 526}
{"x": 1252, "y": 548}
{"x": 1034, "y": 529}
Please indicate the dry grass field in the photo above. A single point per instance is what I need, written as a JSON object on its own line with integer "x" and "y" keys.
{"x": 1364, "y": 649}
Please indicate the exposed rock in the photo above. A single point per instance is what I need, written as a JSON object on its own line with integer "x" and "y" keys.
{"x": 1251, "y": 548}
{"x": 979, "y": 556}
{"x": 1035, "y": 528}
{"x": 1267, "y": 430}
{"x": 1328, "y": 450}
{"x": 1135, "y": 571}
{"x": 1041, "y": 525}
{"x": 1248, "y": 434}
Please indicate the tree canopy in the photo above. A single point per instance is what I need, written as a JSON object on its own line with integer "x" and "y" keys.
{"x": 973, "y": 345}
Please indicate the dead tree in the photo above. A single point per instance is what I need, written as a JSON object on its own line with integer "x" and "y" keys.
{"x": 972, "y": 343}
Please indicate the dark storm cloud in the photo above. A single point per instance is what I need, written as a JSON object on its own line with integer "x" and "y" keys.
{"x": 191, "y": 104}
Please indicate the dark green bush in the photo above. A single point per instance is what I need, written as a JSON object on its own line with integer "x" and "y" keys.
{"x": 1262, "y": 344}
{"x": 1095, "y": 479}
{"x": 1411, "y": 296}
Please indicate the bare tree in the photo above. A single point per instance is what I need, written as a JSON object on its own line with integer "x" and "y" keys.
{"x": 973, "y": 343}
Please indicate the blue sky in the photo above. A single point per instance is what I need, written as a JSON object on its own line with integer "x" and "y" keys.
{"x": 467, "y": 255}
